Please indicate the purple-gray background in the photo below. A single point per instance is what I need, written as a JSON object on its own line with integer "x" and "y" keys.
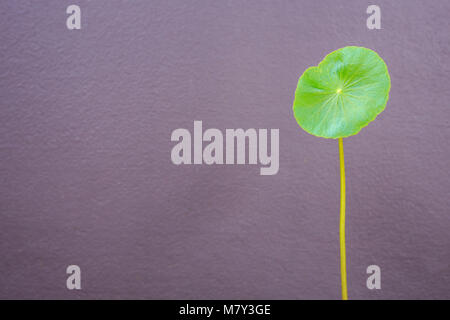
{"x": 85, "y": 171}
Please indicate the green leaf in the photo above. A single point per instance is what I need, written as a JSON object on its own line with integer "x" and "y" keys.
{"x": 341, "y": 95}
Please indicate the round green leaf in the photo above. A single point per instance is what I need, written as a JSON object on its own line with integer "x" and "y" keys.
{"x": 341, "y": 95}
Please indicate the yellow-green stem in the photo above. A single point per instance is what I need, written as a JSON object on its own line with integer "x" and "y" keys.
{"x": 342, "y": 223}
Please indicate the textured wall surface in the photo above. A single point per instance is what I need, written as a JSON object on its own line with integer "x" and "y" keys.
{"x": 86, "y": 176}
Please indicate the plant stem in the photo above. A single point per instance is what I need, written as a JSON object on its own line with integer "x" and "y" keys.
{"x": 342, "y": 224}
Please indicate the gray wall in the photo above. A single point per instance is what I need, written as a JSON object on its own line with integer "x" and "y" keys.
{"x": 85, "y": 171}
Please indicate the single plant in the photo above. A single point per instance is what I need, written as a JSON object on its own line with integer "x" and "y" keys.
{"x": 335, "y": 100}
